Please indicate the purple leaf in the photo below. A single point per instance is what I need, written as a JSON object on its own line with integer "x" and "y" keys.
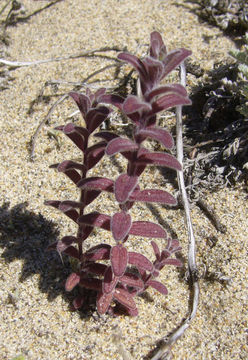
{"x": 72, "y": 252}
{"x": 95, "y": 219}
{"x": 157, "y": 47}
{"x": 125, "y": 298}
{"x": 147, "y": 229}
{"x": 140, "y": 261}
{"x": 91, "y": 283}
{"x": 154, "y": 69}
{"x": 169, "y": 100}
{"x": 124, "y": 185}
{"x": 174, "y": 58}
{"x": 71, "y": 213}
{"x": 99, "y": 93}
{"x": 119, "y": 145}
{"x": 69, "y": 167}
{"x": 94, "y": 154}
{"x": 72, "y": 281}
{"x": 65, "y": 242}
{"x": 156, "y": 133}
{"x": 77, "y": 134}
{"x": 152, "y": 195}
{"x": 156, "y": 250}
{"x": 120, "y": 225}
{"x": 90, "y": 196}
{"x": 113, "y": 99}
{"x": 84, "y": 232}
{"x": 82, "y": 101}
{"x": 109, "y": 281}
{"x": 95, "y": 268}
{"x": 160, "y": 159}
{"x": 132, "y": 280}
{"x": 106, "y": 135}
{"x": 103, "y": 302}
{"x": 98, "y": 252}
{"x": 170, "y": 261}
{"x": 135, "y": 62}
{"x": 119, "y": 259}
{"x": 157, "y": 286}
{"x": 97, "y": 183}
{"x": 171, "y": 89}
{"x": 95, "y": 117}
{"x": 134, "y": 104}
{"x": 78, "y": 302}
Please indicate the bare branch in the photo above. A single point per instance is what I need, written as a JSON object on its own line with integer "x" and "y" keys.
{"x": 59, "y": 101}
{"x": 164, "y": 351}
{"x": 16, "y": 64}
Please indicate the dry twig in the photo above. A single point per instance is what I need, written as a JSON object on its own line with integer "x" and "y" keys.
{"x": 59, "y": 101}
{"x": 164, "y": 351}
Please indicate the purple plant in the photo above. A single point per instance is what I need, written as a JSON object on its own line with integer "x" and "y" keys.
{"x": 115, "y": 273}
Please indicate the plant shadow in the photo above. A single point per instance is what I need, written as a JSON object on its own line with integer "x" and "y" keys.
{"x": 25, "y": 236}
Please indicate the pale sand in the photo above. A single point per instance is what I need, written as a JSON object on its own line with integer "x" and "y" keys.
{"x": 35, "y": 319}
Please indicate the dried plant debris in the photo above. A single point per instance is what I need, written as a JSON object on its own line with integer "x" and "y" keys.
{"x": 229, "y": 15}
{"x": 242, "y": 60}
{"x": 216, "y": 134}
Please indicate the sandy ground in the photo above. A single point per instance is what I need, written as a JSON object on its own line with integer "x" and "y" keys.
{"x": 35, "y": 317}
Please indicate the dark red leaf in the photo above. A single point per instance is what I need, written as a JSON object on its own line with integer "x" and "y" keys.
{"x": 69, "y": 164}
{"x": 72, "y": 281}
{"x": 157, "y": 47}
{"x": 82, "y": 101}
{"x": 157, "y": 286}
{"x": 72, "y": 252}
{"x": 103, "y": 302}
{"x": 96, "y": 219}
{"x": 156, "y": 250}
{"x": 119, "y": 145}
{"x": 91, "y": 283}
{"x": 135, "y": 62}
{"x": 174, "y": 58}
{"x": 120, "y": 225}
{"x": 172, "y": 88}
{"x": 170, "y": 261}
{"x": 71, "y": 213}
{"x": 125, "y": 298}
{"x": 95, "y": 117}
{"x": 113, "y": 99}
{"x": 95, "y": 268}
{"x": 78, "y": 302}
{"x": 99, "y": 93}
{"x": 84, "y": 232}
{"x": 124, "y": 185}
{"x": 90, "y": 195}
{"x": 169, "y": 100}
{"x": 134, "y": 104}
{"x": 147, "y": 229}
{"x": 78, "y": 135}
{"x": 65, "y": 242}
{"x": 69, "y": 168}
{"x": 140, "y": 261}
{"x": 97, "y": 183}
{"x": 106, "y": 135}
{"x": 119, "y": 259}
{"x": 132, "y": 280}
{"x": 156, "y": 133}
{"x": 109, "y": 281}
{"x": 94, "y": 154}
{"x": 161, "y": 159}
{"x": 98, "y": 252}
{"x": 152, "y": 195}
